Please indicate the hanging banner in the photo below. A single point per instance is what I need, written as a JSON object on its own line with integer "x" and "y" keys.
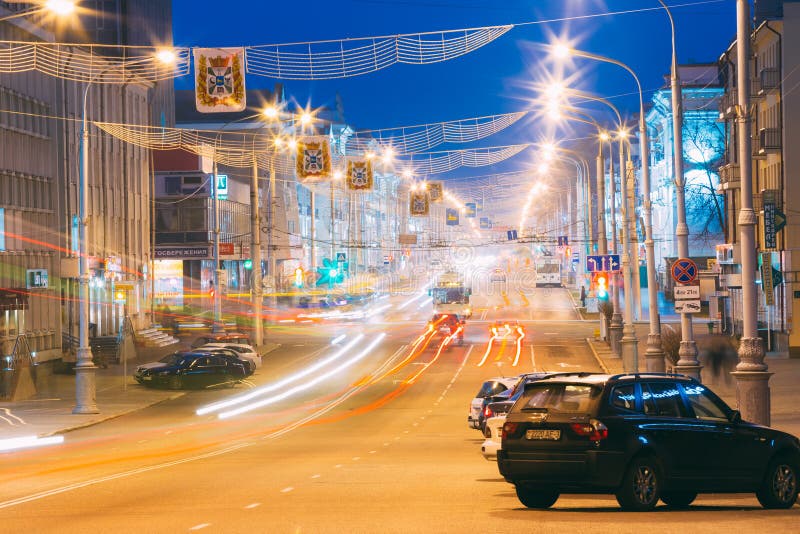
{"x": 313, "y": 158}
{"x": 219, "y": 80}
{"x": 419, "y": 204}
{"x": 451, "y": 217}
{"x": 359, "y": 174}
{"x": 471, "y": 210}
{"x": 436, "y": 191}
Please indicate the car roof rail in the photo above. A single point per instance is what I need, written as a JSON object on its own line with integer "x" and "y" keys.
{"x": 650, "y": 374}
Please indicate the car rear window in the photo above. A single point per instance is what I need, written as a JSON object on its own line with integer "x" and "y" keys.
{"x": 564, "y": 398}
{"x": 491, "y": 388}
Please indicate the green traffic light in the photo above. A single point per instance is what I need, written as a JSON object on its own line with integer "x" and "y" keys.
{"x": 248, "y": 264}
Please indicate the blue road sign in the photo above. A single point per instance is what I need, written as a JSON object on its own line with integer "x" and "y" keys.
{"x": 341, "y": 257}
{"x": 684, "y": 271}
{"x": 603, "y": 263}
{"x": 512, "y": 235}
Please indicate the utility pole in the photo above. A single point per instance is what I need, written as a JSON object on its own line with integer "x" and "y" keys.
{"x": 256, "y": 289}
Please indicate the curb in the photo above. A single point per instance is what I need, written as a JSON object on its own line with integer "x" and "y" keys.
{"x": 599, "y": 360}
{"x": 110, "y": 417}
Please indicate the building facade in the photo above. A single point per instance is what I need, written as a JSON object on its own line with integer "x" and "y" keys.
{"x": 40, "y": 132}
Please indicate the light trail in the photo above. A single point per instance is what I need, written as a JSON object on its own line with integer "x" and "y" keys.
{"x": 425, "y": 303}
{"x": 444, "y": 344}
{"x": 410, "y": 301}
{"x": 278, "y": 385}
{"x": 307, "y": 385}
{"x": 338, "y": 339}
{"x": 28, "y": 442}
{"x": 521, "y": 333}
{"x": 488, "y": 348}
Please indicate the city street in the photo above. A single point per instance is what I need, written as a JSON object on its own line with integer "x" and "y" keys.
{"x": 381, "y": 446}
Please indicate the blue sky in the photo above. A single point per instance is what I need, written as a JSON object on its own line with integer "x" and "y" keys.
{"x": 494, "y": 79}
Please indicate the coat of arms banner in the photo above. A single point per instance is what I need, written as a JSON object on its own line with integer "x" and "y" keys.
{"x": 219, "y": 80}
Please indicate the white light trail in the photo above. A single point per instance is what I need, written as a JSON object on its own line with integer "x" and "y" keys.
{"x": 27, "y": 442}
{"x": 406, "y": 303}
{"x": 425, "y": 303}
{"x": 521, "y": 333}
{"x": 488, "y": 348}
{"x": 338, "y": 339}
{"x": 278, "y": 385}
{"x": 306, "y": 385}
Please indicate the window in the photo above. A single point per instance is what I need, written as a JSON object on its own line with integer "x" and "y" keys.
{"x": 491, "y": 388}
{"x": 564, "y": 398}
{"x": 624, "y": 398}
{"x": 2, "y": 229}
{"x": 703, "y": 404}
{"x": 662, "y": 398}
{"x": 172, "y": 185}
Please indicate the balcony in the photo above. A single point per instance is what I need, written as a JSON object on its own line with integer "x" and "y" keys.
{"x": 768, "y": 141}
{"x": 729, "y": 177}
{"x": 769, "y": 80}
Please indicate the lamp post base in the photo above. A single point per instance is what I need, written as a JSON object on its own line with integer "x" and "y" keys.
{"x": 753, "y": 395}
{"x": 85, "y": 385}
{"x": 615, "y": 334}
{"x": 630, "y": 353}
{"x": 654, "y": 356}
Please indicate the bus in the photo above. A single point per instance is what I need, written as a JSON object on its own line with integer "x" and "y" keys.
{"x": 548, "y": 272}
{"x": 450, "y": 295}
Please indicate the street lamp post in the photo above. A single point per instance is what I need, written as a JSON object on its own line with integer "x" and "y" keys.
{"x": 85, "y": 370}
{"x": 655, "y": 355}
{"x": 752, "y": 378}
{"x": 687, "y": 363}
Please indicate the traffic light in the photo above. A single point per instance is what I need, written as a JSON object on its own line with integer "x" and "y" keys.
{"x": 119, "y": 295}
{"x": 601, "y": 285}
{"x": 299, "y": 275}
{"x": 248, "y": 264}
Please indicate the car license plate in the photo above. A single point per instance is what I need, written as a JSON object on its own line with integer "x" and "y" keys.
{"x": 147, "y": 378}
{"x": 552, "y": 435}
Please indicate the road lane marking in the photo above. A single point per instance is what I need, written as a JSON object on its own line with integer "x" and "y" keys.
{"x": 117, "y": 476}
{"x": 356, "y": 458}
{"x": 337, "y": 466}
{"x": 287, "y": 489}
{"x": 200, "y": 526}
{"x": 251, "y": 506}
{"x": 372, "y": 452}
{"x": 315, "y": 476}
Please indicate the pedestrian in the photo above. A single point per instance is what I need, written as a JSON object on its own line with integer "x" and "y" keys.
{"x": 583, "y": 296}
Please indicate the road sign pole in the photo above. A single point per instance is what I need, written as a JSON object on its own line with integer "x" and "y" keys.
{"x": 684, "y": 271}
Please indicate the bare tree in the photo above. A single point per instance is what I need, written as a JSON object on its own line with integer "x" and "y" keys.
{"x": 704, "y": 146}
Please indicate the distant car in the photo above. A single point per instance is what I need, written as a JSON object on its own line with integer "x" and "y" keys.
{"x": 498, "y": 275}
{"x": 243, "y": 352}
{"x": 642, "y": 437}
{"x": 446, "y": 324}
{"x": 490, "y": 388}
{"x": 222, "y": 337}
{"x": 192, "y": 370}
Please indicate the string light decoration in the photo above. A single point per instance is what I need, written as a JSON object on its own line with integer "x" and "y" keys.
{"x": 88, "y": 63}
{"x": 448, "y": 160}
{"x": 410, "y": 139}
{"x": 326, "y": 60}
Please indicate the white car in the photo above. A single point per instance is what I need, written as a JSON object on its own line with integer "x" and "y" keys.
{"x": 493, "y": 442}
{"x": 244, "y": 352}
{"x": 490, "y": 388}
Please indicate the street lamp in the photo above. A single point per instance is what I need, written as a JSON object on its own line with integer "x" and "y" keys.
{"x": 654, "y": 355}
{"x": 687, "y": 363}
{"x": 85, "y": 383}
{"x": 752, "y": 378}
{"x": 59, "y": 8}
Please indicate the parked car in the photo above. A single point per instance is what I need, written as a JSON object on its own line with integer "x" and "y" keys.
{"x": 642, "y": 437}
{"x": 502, "y": 402}
{"x": 488, "y": 389}
{"x": 222, "y": 337}
{"x": 192, "y": 370}
{"x": 494, "y": 430}
{"x": 243, "y": 352}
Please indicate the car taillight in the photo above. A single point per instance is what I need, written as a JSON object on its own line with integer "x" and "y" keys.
{"x": 594, "y": 430}
{"x": 511, "y": 430}
{"x": 487, "y": 412}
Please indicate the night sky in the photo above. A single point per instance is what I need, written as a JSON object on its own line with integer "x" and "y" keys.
{"x": 494, "y": 79}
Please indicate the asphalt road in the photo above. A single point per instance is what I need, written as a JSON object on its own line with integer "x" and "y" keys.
{"x": 373, "y": 441}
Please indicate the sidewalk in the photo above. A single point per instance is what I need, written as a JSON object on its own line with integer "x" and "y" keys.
{"x": 49, "y": 412}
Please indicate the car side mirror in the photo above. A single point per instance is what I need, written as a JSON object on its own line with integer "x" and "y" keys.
{"x": 736, "y": 417}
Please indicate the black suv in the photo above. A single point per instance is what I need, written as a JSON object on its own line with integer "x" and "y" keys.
{"x": 642, "y": 437}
